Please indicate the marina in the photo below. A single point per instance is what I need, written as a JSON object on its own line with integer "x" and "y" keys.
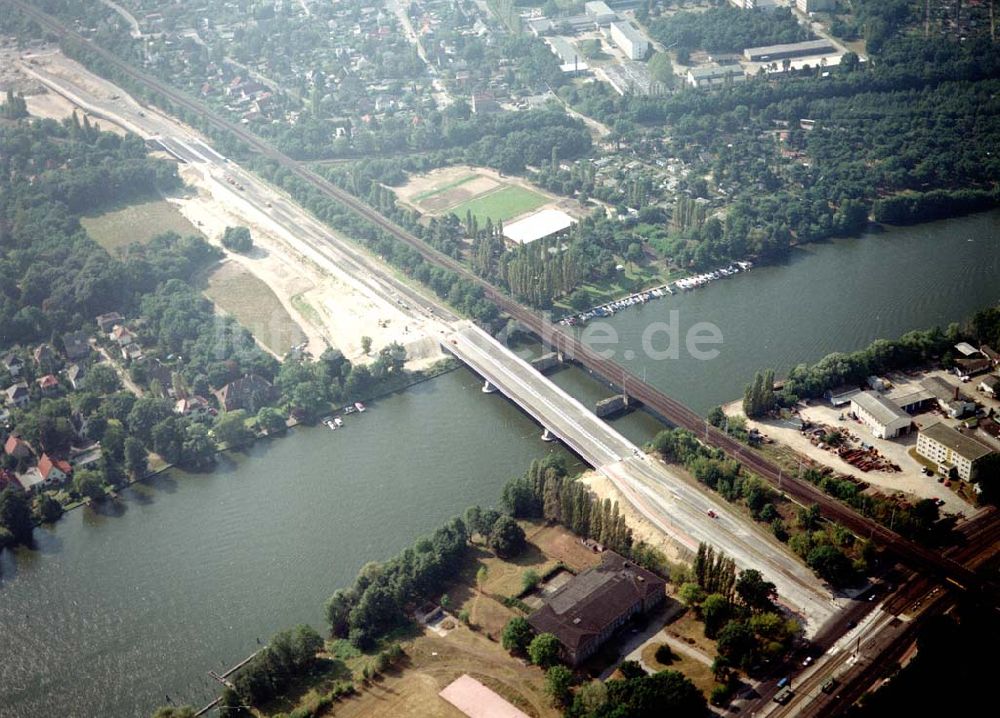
{"x": 664, "y": 290}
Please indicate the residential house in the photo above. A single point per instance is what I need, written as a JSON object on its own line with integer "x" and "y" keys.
{"x": 49, "y": 384}
{"x": 193, "y": 406}
{"x": 77, "y": 345}
{"x": 122, "y": 335}
{"x": 587, "y": 610}
{"x": 107, "y": 322}
{"x": 14, "y": 364}
{"x": 18, "y": 394}
{"x": 53, "y": 471}
{"x": 18, "y": 448}
{"x": 249, "y": 392}
{"x": 991, "y": 354}
{"x": 46, "y": 358}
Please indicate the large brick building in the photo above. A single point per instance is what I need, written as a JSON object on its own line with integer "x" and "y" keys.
{"x": 586, "y": 611}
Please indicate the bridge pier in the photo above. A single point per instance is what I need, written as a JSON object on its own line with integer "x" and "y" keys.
{"x": 489, "y": 388}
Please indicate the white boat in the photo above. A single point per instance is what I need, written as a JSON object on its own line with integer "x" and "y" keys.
{"x": 330, "y": 425}
{"x": 338, "y": 422}
{"x": 359, "y": 406}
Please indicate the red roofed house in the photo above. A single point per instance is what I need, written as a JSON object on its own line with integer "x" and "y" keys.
{"x": 48, "y": 383}
{"x": 18, "y": 448}
{"x": 53, "y": 471}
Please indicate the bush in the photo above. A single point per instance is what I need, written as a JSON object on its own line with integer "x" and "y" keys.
{"x": 664, "y": 655}
{"x": 237, "y": 239}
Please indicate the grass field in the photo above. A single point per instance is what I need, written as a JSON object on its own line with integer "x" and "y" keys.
{"x": 700, "y": 674}
{"x": 501, "y": 204}
{"x": 136, "y": 223}
{"x": 254, "y": 305}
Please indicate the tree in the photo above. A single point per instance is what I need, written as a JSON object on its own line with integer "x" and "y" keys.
{"x": 737, "y": 643}
{"x": 88, "y": 483}
{"x": 271, "y": 420}
{"x": 15, "y": 514}
{"x": 558, "y": 680}
{"x": 102, "y": 379}
{"x": 544, "y": 650}
{"x": 691, "y": 594}
{"x": 47, "y": 509}
{"x": 530, "y": 579}
{"x": 481, "y": 575}
{"x": 662, "y": 70}
{"x": 754, "y": 592}
{"x": 506, "y": 537}
{"x": 366, "y": 344}
{"x": 715, "y": 610}
{"x": 516, "y": 635}
{"x": 230, "y": 428}
{"x": 136, "y": 458}
{"x": 831, "y": 563}
{"x": 145, "y": 414}
{"x": 237, "y": 239}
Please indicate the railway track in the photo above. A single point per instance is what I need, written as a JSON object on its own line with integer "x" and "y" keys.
{"x": 572, "y": 348}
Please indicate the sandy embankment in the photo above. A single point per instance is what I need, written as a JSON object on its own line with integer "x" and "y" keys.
{"x": 331, "y": 306}
{"x": 642, "y": 529}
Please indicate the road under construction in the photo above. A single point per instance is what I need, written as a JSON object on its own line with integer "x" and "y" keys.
{"x": 568, "y": 344}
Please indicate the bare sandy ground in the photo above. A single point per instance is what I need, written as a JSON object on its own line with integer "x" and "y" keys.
{"x": 910, "y": 481}
{"x": 641, "y": 528}
{"x": 332, "y": 308}
{"x": 487, "y": 180}
{"x": 340, "y": 314}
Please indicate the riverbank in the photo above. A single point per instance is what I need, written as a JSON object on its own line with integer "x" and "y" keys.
{"x": 405, "y": 381}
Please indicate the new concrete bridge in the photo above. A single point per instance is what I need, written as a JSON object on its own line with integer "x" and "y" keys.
{"x": 670, "y": 502}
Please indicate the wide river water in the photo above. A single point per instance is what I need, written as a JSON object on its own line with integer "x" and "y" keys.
{"x": 116, "y": 609}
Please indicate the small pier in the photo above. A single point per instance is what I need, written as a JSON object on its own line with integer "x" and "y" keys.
{"x": 223, "y": 678}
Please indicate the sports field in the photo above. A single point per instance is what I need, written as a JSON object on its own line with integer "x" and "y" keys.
{"x": 501, "y": 204}
{"x": 460, "y": 189}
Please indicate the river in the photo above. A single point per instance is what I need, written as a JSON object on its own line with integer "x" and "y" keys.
{"x": 115, "y": 609}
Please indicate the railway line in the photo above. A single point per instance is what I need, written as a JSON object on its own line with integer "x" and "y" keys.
{"x": 568, "y": 344}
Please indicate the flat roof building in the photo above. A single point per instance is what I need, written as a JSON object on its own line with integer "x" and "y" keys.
{"x": 632, "y": 42}
{"x": 539, "y": 225}
{"x": 794, "y": 49}
{"x": 587, "y": 610}
{"x": 715, "y": 75}
{"x": 952, "y": 450}
{"x": 949, "y": 398}
{"x": 883, "y": 418}
{"x": 600, "y": 13}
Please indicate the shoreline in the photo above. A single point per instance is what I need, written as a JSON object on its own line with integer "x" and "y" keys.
{"x": 415, "y": 378}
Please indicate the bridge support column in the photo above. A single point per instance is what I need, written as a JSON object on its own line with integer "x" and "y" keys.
{"x": 488, "y": 388}
{"x": 548, "y": 436}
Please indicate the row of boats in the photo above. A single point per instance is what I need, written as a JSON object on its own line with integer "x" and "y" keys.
{"x": 700, "y": 280}
{"x": 335, "y": 422}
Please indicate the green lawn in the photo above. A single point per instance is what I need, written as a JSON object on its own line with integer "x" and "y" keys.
{"x": 136, "y": 223}
{"x": 501, "y": 204}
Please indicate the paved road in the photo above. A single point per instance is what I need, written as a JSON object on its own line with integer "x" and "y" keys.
{"x": 664, "y": 498}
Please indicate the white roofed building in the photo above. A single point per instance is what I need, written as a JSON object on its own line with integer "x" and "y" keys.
{"x": 884, "y": 419}
{"x": 546, "y": 223}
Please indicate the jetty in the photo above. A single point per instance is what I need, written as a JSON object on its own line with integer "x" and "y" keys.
{"x": 223, "y": 678}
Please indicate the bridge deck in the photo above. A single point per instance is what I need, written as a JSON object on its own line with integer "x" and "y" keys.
{"x": 672, "y": 504}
